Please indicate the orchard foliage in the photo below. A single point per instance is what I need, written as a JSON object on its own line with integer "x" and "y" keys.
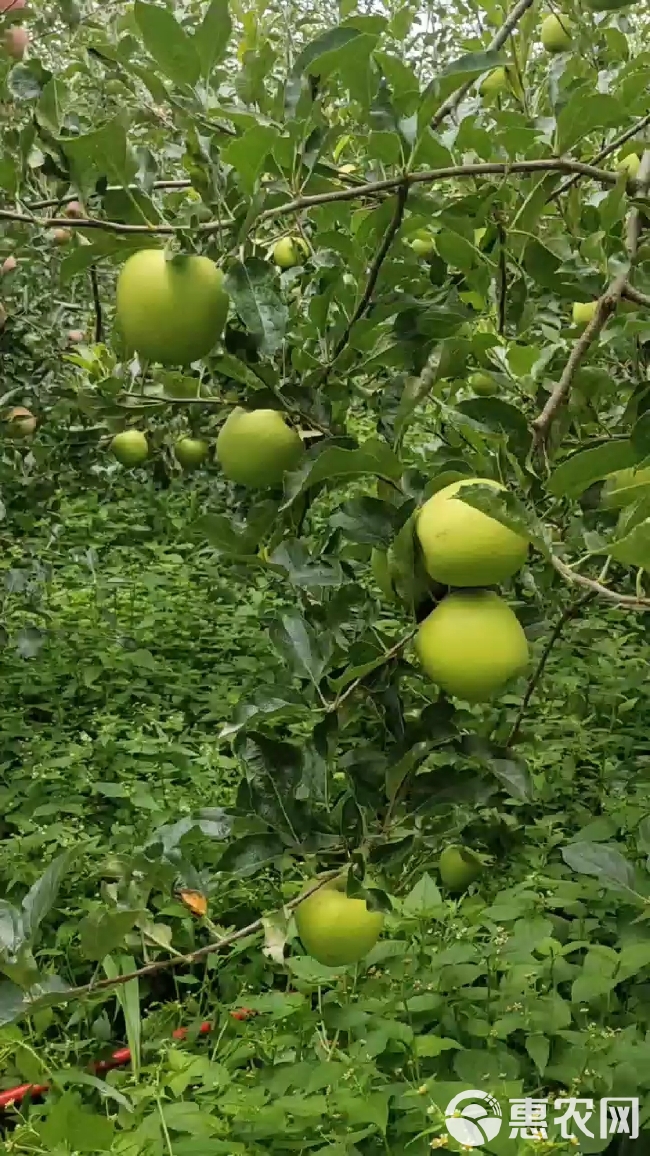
{"x": 432, "y": 234}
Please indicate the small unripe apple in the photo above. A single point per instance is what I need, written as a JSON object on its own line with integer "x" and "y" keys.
{"x": 16, "y": 42}
{"x": 483, "y": 384}
{"x": 630, "y": 165}
{"x": 21, "y": 422}
{"x": 423, "y": 244}
{"x": 459, "y": 867}
{"x": 495, "y": 82}
{"x": 337, "y": 930}
{"x": 290, "y": 251}
{"x": 76, "y": 336}
{"x": 61, "y": 236}
{"x": 556, "y": 34}
{"x": 9, "y": 265}
{"x": 130, "y": 447}
{"x": 74, "y": 209}
{"x": 190, "y": 452}
{"x": 584, "y": 312}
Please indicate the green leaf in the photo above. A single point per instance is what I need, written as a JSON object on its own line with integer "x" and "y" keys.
{"x": 603, "y": 860}
{"x": 329, "y": 51}
{"x": 304, "y": 571}
{"x": 253, "y": 287}
{"x": 102, "y": 933}
{"x": 538, "y": 1047}
{"x": 310, "y": 653}
{"x": 424, "y": 900}
{"x": 580, "y": 471}
{"x": 634, "y": 548}
{"x": 69, "y": 1125}
{"x": 11, "y": 929}
{"x": 332, "y": 462}
{"x": 212, "y": 38}
{"x": 105, "y": 152}
{"x": 128, "y": 997}
{"x": 50, "y": 106}
{"x": 248, "y": 154}
{"x": 433, "y": 1046}
{"x": 165, "y": 40}
{"x": 514, "y": 775}
{"x": 27, "y": 81}
{"x": 247, "y": 855}
{"x": 40, "y": 899}
{"x": 457, "y": 73}
{"x": 585, "y": 111}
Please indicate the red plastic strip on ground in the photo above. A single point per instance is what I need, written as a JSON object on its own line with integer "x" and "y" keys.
{"x": 117, "y": 1060}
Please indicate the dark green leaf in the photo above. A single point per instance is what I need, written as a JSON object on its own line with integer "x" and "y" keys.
{"x": 248, "y": 154}
{"x": 103, "y": 933}
{"x": 634, "y": 548}
{"x": 577, "y": 473}
{"x": 165, "y": 40}
{"x": 247, "y": 855}
{"x": 212, "y": 38}
{"x": 310, "y": 653}
{"x": 253, "y": 288}
{"x": 105, "y": 152}
{"x": 333, "y": 462}
{"x": 603, "y": 860}
{"x": 40, "y": 899}
{"x": 583, "y": 112}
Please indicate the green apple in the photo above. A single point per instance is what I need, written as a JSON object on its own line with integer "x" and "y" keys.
{"x": 21, "y": 423}
{"x": 630, "y": 165}
{"x": 190, "y": 452}
{"x": 459, "y": 867}
{"x": 337, "y": 930}
{"x": 472, "y": 644}
{"x": 290, "y": 251}
{"x": 423, "y": 243}
{"x": 556, "y": 33}
{"x": 464, "y": 547}
{"x": 483, "y": 384}
{"x": 256, "y": 447}
{"x": 584, "y": 312}
{"x": 171, "y": 311}
{"x": 130, "y": 447}
{"x": 494, "y": 83}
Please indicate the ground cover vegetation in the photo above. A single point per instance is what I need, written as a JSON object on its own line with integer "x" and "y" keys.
{"x": 325, "y": 510}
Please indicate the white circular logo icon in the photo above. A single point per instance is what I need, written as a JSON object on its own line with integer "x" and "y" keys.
{"x": 476, "y": 1123}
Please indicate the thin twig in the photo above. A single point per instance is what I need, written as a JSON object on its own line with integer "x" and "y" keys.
{"x": 567, "y": 615}
{"x": 193, "y": 956}
{"x": 371, "y": 189}
{"x": 375, "y": 269}
{"x": 607, "y": 304}
{"x": 497, "y": 42}
{"x": 97, "y": 304}
{"x": 604, "y": 153}
{"x": 625, "y": 601}
{"x": 385, "y": 658}
{"x": 634, "y": 295}
{"x": 373, "y": 275}
{"x": 503, "y": 280}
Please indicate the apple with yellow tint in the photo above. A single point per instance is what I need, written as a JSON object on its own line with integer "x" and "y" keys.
{"x": 472, "y": 644}
{"x": 463, "y": 546}
{"x": 170, "y": 310}
{"x": 336, "y": 930}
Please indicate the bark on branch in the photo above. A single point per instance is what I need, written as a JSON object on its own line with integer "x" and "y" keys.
{"x": 607, "y": 304}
